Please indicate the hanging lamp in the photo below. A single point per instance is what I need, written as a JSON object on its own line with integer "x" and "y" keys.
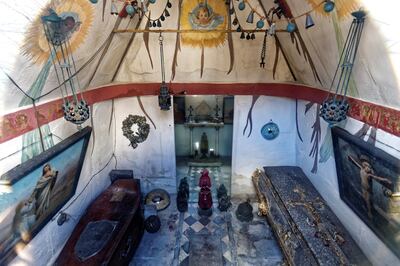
{"x": 58, "y": 31}
{"x": 164, "y": 98}
{"x": 334, "y": 108}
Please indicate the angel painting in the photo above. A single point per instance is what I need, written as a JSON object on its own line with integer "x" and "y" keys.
{"x": 203, "y": 17}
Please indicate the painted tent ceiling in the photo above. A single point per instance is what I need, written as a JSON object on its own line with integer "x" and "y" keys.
{"x": 107, "y": 57}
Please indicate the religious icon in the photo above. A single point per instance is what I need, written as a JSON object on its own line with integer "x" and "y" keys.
{"x": 366, "y": 176}
{"x": 37, "y": 191}
{"x": 369, "y": 183}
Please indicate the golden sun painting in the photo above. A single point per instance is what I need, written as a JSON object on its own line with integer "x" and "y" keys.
{"x": 35, "y": 45}
{"x": 207, "y": 15}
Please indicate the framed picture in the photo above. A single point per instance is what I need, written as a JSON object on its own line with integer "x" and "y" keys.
{"x": 228, "y": 109}
{"x": 33, "y": 192}
{"x": 369, "y": 183}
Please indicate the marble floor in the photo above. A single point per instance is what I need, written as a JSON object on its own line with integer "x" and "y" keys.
{"x": 221, "y": 239}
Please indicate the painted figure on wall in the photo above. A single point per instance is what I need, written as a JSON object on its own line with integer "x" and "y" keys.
{"x": 203, "y": 17}
{"x": 208, "y": 15}
{"x": 367, "y": 174}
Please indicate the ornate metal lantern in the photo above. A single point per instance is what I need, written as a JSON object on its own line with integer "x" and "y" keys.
{"x": 334, "y": 108}
{"x": 58, "y": 31}
{"x": 164, "y": 98}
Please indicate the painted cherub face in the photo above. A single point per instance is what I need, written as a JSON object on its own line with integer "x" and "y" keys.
{"x": 203, "y": 15}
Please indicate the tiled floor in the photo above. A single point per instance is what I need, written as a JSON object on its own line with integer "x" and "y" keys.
{"x": 224, "y": 239}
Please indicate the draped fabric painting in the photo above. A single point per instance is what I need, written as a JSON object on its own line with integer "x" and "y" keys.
{"x": 35, "y": 47}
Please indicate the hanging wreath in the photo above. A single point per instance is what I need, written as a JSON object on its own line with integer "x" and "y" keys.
{"x": 142, "y": 131}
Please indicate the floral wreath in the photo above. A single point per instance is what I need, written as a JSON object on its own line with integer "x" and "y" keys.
{"x": 142, "y": 133}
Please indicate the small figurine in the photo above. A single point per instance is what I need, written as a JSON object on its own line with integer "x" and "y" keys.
{"x": 183, "y": 195}
{"x": 224, "y": 203}
{"x": 244, "y": 211}
{"x": 205, "y": 198}
{"x": 205, "y": 180}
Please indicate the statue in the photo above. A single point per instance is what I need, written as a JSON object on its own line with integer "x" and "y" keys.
{"x": 223, "y": 199}
{"x": 204, "y": 180}
{"x": 204, "y": 145}
{"x": 183, "y": 195}
{"x": 205, "y": 198}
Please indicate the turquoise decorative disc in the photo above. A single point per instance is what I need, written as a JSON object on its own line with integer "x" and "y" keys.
{"x": 270, "y": 131}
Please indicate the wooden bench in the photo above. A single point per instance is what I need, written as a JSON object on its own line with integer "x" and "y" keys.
{"x": 307, "y": 230}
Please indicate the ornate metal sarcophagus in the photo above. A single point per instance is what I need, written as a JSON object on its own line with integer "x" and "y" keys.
{"x": 110, "y": 230}
{"x": 307, "y": 230}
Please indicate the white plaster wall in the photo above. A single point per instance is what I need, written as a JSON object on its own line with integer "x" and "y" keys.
{"x": 45, "y": 246}
{"x": 256, "y": 152}
{"x": 153, "y": 160}
{"x": 325, "y": 181}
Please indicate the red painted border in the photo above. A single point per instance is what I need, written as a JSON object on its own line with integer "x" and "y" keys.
{"x": 15, "y": 124}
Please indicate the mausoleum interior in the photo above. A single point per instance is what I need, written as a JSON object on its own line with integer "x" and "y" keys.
{"x": 200, "y": 132}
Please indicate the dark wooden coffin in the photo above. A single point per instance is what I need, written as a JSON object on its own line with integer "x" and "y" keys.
{"x": 110, "y": 230}
{"x": 307, "y": 230}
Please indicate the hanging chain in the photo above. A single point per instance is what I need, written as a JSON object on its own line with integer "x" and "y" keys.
{"x": 263, "y": 50}
{"x": 160, "y": 38}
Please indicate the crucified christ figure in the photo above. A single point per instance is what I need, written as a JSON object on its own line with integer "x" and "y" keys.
{"x": 366, "y": 176}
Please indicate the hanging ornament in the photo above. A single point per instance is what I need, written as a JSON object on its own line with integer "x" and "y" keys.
{"x": 263, "y": 51}
{"x": 242, "y": 35}
{"x": 166, "y": 13}
{"x": 152, "y": 1}
{"x": 159, "y": 23}
{"x": 309, "y": 21}
{"x": 58, "y": 31}
{"x": 291, "y": 27}
{"x": 130, "y": 10}
{"x": 248, "y": 36}
{"x": 272, "y": 29}
{"x": 334, "y": 108}
{"x": 164, "y": 98}
{"x": 250, "y": 17}
{"x": 235, "y": 21}
{"x": 239, "y": 29}
{"x": 231, "y": 11}
{"x": 154, "y": 24}
{"x": 114, "y": 9}
{"x": 253, "y": 36}
{"x": 162, "y": 18}
{"x": 242, "y": 6}
{"x": 94, "y": 1}
{"x": 144, "y": 7}
{"x": 169, "y": 5}
{"x": 260, "y": 24}
{"x": 329, "y": 6}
